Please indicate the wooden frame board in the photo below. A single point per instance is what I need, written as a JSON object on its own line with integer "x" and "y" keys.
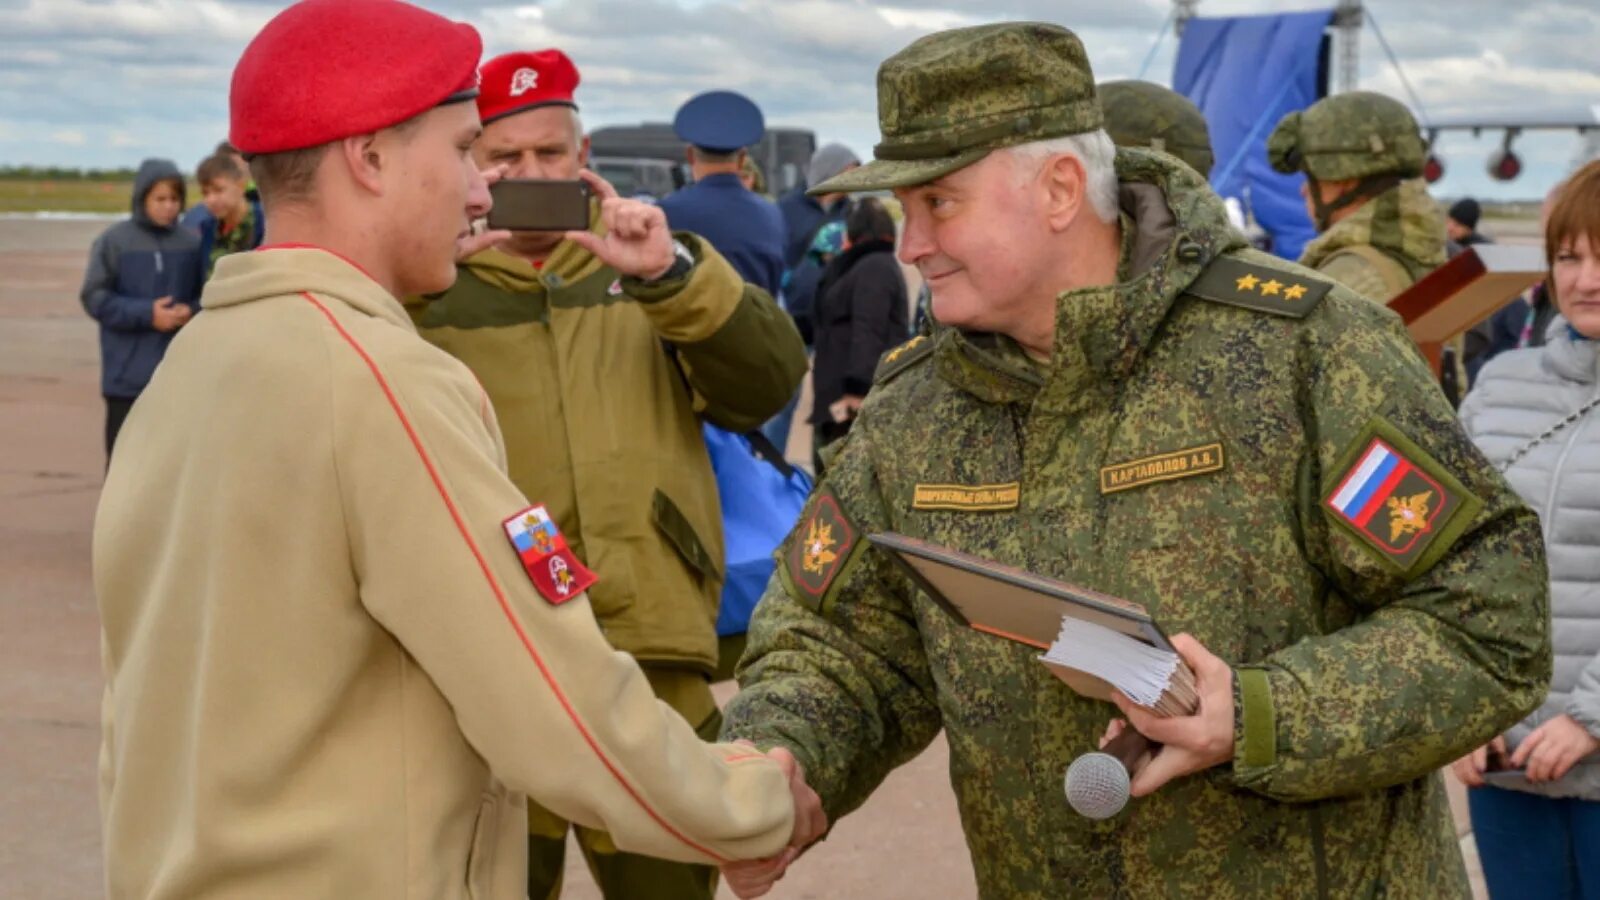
{"x": 1009, "y": 602}
{"x": 1471, "y": 287}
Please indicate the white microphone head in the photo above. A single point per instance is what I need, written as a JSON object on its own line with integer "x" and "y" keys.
{"x": 1097, "y": 785}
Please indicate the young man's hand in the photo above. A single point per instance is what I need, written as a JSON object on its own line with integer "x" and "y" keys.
{"x": 637, "y": 241}
{"x": 167, "y": 314}
{"x": 755, "y": 877}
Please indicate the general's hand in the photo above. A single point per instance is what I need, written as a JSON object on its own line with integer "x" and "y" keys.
{"x": 1189, "y": 743}
{"x": 1469, "y": 769}
{"x": 479, "y": 241}
{"x": 755, "y": 878}
{"x": 1553, "y": 747}
{"x": 636, "y": 242}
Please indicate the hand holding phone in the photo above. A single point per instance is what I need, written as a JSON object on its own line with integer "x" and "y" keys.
{"x": 536, "y": 204}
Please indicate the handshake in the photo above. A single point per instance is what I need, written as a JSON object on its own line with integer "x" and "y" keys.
{"x": 756, "y": 877}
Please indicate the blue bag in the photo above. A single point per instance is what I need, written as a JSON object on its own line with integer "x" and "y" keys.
{"x": 761, "y": 497}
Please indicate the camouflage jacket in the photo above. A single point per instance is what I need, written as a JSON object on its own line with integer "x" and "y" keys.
{"x": 1403, "y": 224}
{"x": 1364, "y": 661}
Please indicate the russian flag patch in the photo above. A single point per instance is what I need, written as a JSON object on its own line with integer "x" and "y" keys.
{"x": 549, "y": 562}
{"x": 1392, "y": 503}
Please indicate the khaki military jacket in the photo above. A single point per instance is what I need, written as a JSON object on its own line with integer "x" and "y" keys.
{"x": 600, "y": 383}
{"x": 1386, "y": 245}
{"x": 1180, "y": 449}
{"x": 327, "y": 672}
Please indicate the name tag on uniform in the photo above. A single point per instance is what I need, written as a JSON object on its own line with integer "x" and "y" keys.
{"x": 967, "y": 497}
{"x": 1161, "y": 467}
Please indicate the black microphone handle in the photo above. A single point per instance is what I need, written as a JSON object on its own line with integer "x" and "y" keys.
{"x": 1128, "y": 747}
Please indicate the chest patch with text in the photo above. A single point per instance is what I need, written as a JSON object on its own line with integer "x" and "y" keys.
{"x": 967, "y": 497}
{"x": 1162, "y": 467}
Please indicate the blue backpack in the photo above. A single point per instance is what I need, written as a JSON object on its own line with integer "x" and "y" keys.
{"x": 761, "y": 497}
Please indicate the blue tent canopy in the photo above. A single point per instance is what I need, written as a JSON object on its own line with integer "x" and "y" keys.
{"x": 1246, "y": 73}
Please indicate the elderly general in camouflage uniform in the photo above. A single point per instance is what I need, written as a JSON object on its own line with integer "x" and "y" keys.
{"x": 1379, "y": 230}
{"x": 1366, "y": 596}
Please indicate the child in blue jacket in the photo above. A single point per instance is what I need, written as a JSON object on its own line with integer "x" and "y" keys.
{"x": 142, "y": 285}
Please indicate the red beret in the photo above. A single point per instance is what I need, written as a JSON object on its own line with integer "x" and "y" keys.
{"x": 520, "y": 81}
{"x": 323, "y": 70}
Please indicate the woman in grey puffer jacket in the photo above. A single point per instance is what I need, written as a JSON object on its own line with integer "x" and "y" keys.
{"x": 1536, "y": 414}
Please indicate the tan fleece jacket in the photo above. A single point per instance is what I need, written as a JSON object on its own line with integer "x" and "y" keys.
{"x": 328, "y": 674}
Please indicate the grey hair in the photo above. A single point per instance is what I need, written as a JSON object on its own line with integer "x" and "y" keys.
{"x": 1093, "y": 149}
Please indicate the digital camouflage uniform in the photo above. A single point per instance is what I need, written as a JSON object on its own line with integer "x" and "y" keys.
{"x": 1396, "y": 234}
{"x": 1183, "y": 448}
{"x": 1141, "y": 114}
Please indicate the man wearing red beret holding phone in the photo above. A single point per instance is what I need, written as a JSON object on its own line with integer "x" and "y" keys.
{"x": 340, "y": 646}
{"x": 599, "y": 379}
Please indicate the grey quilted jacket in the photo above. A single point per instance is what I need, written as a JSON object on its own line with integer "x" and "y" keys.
{"x": 1519, "y": 395}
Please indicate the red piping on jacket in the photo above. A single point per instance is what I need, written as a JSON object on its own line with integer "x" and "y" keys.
{"x": 494, "y": 585}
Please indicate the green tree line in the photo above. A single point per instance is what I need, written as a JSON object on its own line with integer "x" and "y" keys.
{"x": 59, "y": 173}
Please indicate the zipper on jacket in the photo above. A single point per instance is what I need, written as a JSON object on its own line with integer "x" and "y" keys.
{"x": 1319, "y": 852}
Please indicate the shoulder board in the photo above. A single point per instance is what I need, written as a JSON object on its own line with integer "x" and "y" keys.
{"x": 902, "y": 357}
{"x": 1261, "y": 288}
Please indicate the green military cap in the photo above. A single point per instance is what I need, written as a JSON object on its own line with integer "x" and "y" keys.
{"x": 1141, "y": 114}
{"x": 1357, "y": 134}
{"x": 950, "y": 98}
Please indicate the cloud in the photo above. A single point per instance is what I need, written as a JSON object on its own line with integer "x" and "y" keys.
{"x": 72, "y": 137}
{"x": 152, "y": 75}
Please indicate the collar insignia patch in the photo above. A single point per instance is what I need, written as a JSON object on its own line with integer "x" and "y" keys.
{"x": 1162, "y": 467}
{"x": 544, "y": 553}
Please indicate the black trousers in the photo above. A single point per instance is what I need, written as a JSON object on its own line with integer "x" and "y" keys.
{"x": 116, "y": 413}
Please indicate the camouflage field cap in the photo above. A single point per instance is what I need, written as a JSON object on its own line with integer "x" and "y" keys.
{"x": 1357, "y": 134}
{"x": 1141, "y": 114}
{"x": 950, "y": 98}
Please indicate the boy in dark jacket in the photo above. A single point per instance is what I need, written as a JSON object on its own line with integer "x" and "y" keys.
{"x": 142, "y": 285}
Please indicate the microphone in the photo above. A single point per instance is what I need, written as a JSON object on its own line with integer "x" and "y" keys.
{"x": 1097, "y": 783}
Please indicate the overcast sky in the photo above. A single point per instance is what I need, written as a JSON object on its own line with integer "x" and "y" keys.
{"x": 107, "y": 82}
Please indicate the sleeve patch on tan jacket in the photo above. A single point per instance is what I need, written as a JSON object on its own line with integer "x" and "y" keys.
{"x": 549, "y": 562}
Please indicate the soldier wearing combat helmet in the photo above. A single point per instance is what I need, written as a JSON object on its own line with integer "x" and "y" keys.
{"x": 1141, "y": 114}
{"x": 1379, "y": 231}
{"x": 1362, "y": 596}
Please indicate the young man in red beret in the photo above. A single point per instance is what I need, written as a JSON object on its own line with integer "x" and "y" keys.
{"x": 598, "y": 381}
{"x": 340, "y": 645}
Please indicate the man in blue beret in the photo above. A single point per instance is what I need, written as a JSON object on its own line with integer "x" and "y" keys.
{"x": 718, "y": 126}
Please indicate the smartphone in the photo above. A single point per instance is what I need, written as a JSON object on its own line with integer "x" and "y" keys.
{"x": 533, "y": 204}
{"x": 1506, "y": 777}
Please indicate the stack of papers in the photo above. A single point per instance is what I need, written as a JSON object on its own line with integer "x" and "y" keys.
{"x": 1151, "y": 677}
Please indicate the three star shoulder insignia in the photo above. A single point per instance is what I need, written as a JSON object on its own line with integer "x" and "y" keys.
{"x": 902, "y": 357}
{"x": 1262, "y": 288}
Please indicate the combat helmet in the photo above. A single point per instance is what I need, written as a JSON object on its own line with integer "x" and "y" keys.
{"x": 1359, "y": 136}
{"x": 1141, "y": 114}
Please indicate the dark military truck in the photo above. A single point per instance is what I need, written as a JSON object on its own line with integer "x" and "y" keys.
{"x": 627, "y": 150}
